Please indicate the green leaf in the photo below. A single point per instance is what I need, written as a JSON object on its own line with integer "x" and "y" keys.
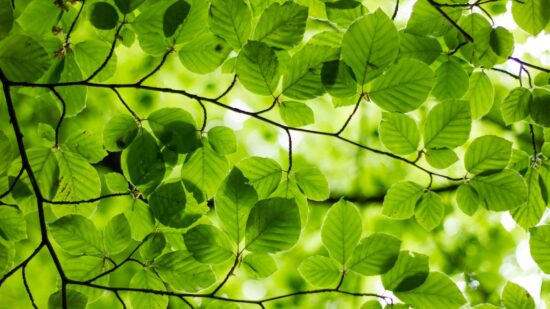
{"x": 78, "y": 179}
{"x": 344, "y": 12}
{"x": 375, "y": 254}
{"x": 222, "y": 139}
{"x": 448, "y": 125}
{"x": 531, "y": 15}
{"x": 404, "y": 86}
{"x": 12, "y": 224}
{"x": 231, "y": 20}
{"x": 313, "y": 183}
{"x": 282, "y": 25}
{"x": 127, "y": 6}
{"x": 320, "y": 271}
{"x": 480, "y": 94}
{"x": 66, "y": 69}
{"x": 426, "y": 20}
{"x": 539, "y": 243}
{"x": 74, "y": 300}
{"x": 174, "y": 16}
{"x": 22, "y": 58}
{"x": 258, "y": 68}
{"x": 438, "y": 291}
{"x": 400, "y": 200}
{"x": 6, "y": 18}
{"x": 146, "y": 279}
{"x": 39, "y": 17}
{"x": 6, "y": 151}
{"x": 208, "y": 244}
{"x": 142, "y": 162}
{"x": 487, "y": 154}
{"x": 341, "y": 230}
{"x": 399, "y": 133}
{"x": 516, "y": 297}
{"x": 502, "y": 42}
{"x": 140, "y": 219}
{"x": 409, "y": 271}
{"x": 273, "y": 225}
{"x": 76, "y": 235}
{"x": 103, "y": 16}
{"x": 430, "y": 211}
{"x": 451, "y": 80}
{"x": 117, "y": 235}
{"x": 183, "y": 272}
{"x": 86, "y": 267}
{"x": 540, "y": 107}
{"x": 258, "y": 265}
{"x": 289, "y": 189}
{"x": 87, "y": 144}
{"x": 152, "y": 246}
{"x": 119, "y": 132}
{"x": 338, "y": 79}
{"x": 46, "y": 169}
{"x": 425, "y": 49}
{"x": 204, "y": 54}
{"x": 175, "y": 128}
{"x": 296, "y": 114}
{"x": 169, "y": 203}
{"x": 115, "y": 182}
{"x": 478, "y": 52}
{"x": 206, "y": 169}
{"x": 441, "y": 158}
{"x": 262, "y": 173}
{"x": 7, "y": 254}
{"x": 302, "y": 79}
{"x": 502, "y": 191}
{"x": 516, "y": 105}
{"x": 370, "y": 44}
{"x": 467, "y": 199}
{"x": 91, "y": 54}
{"x": 233, "y": 201}
{"x": 529, "y": 214}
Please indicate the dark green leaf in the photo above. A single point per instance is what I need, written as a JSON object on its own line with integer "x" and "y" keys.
{"x": 540, "y": 107}
{"x": 174, "y": 17}
{"x": 409, "y": 271}
{"x": 103, "y": 16}
{"x": 74, "y": 300}
{"x": 127, "y": 6}
{"x": 169, "y": 203}
{"x": 6, "y": 18}
{"x": 338, "y": 79}
{"x": 175, "y": 128}
{"x": 119, "y": 132}
{"x": 142, "y": 162}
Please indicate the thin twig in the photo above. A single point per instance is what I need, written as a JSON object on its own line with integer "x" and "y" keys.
{"x": 395, "y": 10}
{"x": 121, "y": 99}
{"x": 26, "y": 284}
{"x": 13, "y": 184}
{"x": 350, "y": 116}
{"x": 62, "y": 117}
{"x": 229, "y": 274}
{"x": 157, "y": 68}
{"x": 228, "y": 89}
{"x": 95, "y": 199}
{"x": 109, "y": 55}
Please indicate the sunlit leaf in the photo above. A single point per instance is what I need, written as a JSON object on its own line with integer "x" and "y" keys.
{"x": 320, "y": 271}
{"x": 409, "y": 272}
{"x": 341, "y": 230}
{"x": 375, "y": 254}
{"x": 400, "y": 200}
{"x": 399, "y": 133}
{"x": 76, "y": 235}
{"x": 207, "y": 244}
{"x": 281, "y": 25}
{"x": 438, "y": 291}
